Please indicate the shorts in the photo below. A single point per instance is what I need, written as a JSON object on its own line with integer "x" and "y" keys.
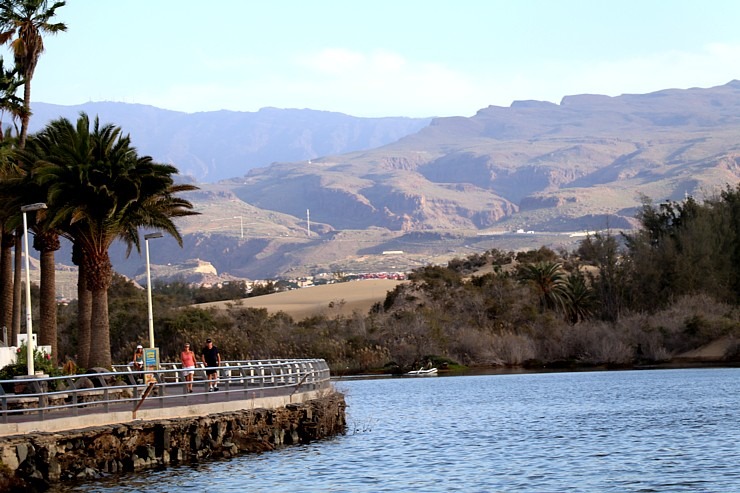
{"x": 188, "y": 370}
{"x": 211, "y": 372}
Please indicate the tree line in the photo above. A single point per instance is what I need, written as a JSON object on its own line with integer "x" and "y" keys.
{"x": 86, "y": 183}
{"x": 618, "y": 299}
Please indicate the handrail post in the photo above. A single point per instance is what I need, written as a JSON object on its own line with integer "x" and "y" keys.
{"x": 4, "y": 399}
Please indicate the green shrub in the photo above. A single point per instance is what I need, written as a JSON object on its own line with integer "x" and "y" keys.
{"x": 41, "y": 362}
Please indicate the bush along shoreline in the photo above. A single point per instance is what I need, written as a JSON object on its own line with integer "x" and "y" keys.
{"x": 654, "y": 296}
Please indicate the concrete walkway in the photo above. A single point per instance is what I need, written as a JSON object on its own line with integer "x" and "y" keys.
{"x": 154, "y": 408}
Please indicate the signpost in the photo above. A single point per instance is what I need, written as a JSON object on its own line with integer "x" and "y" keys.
{"x": 151, "y": 364}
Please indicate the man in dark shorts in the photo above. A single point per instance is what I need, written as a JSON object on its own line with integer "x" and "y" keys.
{"x": 212, "y": 359}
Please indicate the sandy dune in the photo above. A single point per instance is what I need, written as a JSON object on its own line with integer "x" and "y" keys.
{"x": 714, "y": 351}
{"x": 345, "y": 297}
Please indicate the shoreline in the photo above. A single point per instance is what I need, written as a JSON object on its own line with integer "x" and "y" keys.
{"x": 498, "y": 370}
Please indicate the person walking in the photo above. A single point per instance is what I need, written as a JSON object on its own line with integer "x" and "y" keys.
{"x": 187, "y": 356}
{"x": 212, "y": 359}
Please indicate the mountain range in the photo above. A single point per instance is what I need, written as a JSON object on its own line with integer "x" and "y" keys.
{"x": 434, "y": 188}
{"x": 214, "y": 145}
{"x": 581, "y": 164}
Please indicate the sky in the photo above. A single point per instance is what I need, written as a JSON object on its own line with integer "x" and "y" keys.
{"x": 414, "y": 58}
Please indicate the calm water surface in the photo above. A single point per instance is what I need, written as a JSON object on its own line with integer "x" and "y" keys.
{"x": 629, "y": 431}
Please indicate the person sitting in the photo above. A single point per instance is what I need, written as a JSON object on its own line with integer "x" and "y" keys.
{"x": 137, "y": 362}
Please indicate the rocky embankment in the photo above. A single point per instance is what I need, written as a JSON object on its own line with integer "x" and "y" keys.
{"x": 32, "y": 462}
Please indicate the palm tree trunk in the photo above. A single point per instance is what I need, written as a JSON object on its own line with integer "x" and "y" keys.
{"x": 98, "y": 275}
{"x": 100, "y": 328}
{"x": 48, "y": 301}
{"x": 17, "y": 283}
{"x": 84, "y": 315}
{"x": 26, "y": 115}
{"x": 6, "y": 285}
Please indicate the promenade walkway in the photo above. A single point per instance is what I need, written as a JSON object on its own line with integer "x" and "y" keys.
{"x": 242, "y": 385}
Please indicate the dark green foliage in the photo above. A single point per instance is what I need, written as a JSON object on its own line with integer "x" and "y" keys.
{"x": 498, "y": 257}
{"x": 615, "y": 301}
{"x": 541, "y": 255}
{"x": 234, "y": 290}
{"x": 580, "y": 299}
{"x": 435, "y": 276}
{"x": 609, "y": 285}
{"x": 469, "y": 264}
{"x": 549, "y": 281}
{"x": 173, "y": 293}
{"x": 262, "y": 289}
{"x": 390, "y": 297}
{"x": 41, "y": 362}
{"x": 686, "y": 248}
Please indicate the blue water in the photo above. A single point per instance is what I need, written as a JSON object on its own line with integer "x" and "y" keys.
{"x": 626, "y": 431}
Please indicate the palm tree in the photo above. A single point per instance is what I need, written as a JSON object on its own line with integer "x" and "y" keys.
{"x": 100, "y": 190}
{"x": 40, "y": 149}
{"x": 84, "y": 309}
{"x": 12, "y": 105}
{"x": 580, "y": 298}
{"x": 550, "y": 283}
{"x": 22, "y": 24}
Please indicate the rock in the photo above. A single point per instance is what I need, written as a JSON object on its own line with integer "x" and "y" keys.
{"x": 9, "y": 457}
{"x": 22, "y": 451}
{"x": 84, "y": 383}
{"x": 134, "y": 447}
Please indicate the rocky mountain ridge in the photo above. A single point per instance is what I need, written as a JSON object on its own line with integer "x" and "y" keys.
{"x": 466, "y": 184}
{"x": 589, "y": 157}
{"x": 215, "y": 145}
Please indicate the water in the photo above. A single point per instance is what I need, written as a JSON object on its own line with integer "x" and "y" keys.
{"x": 629, "y": 431}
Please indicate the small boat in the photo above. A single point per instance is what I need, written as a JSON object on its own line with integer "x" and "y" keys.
{"x": 423, "y": 372}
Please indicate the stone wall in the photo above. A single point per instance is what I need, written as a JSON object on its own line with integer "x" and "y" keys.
{"x": 31, "y": 462}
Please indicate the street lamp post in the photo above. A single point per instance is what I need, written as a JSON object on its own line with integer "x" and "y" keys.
{"x": 29, "y": 323}
{"x": 148, "y": 237}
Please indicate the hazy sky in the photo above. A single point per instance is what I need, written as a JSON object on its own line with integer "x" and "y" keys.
{"x": 382, "y": 58}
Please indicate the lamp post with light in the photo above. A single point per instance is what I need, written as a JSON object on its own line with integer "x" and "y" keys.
{"x": 148, "y": 237}
{"x": 29, "y": 323}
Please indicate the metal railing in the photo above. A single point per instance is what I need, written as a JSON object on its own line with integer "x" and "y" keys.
{"x": 123, "y": 387}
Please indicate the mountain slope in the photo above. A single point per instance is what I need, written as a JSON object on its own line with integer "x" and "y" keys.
{"x": 211, "y": 146}
{"x": 534, "y": 164}
{"x": 456, "y": 186}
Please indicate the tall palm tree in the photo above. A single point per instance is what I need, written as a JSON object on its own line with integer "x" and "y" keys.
{"x": 11, "y": 105}
{"x": 22, "y": 25}
{"x": 39, "y": 149}
{"x": 100, "y": 190}
{"x": 84, "y": 309}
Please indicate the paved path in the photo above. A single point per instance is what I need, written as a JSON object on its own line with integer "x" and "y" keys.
{"x": 175, "y": 405}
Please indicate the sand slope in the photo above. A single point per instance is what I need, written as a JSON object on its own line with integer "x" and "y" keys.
{"x": 714, "y": 351}
{"x": 346, "y": 297}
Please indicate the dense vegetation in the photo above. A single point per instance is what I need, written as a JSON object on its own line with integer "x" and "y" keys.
{"x": 618, "y": 300}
